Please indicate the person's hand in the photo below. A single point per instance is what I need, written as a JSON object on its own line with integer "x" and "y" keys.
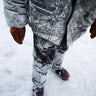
{"x": 93, "y": 30}
{"x": 18, "y": 34}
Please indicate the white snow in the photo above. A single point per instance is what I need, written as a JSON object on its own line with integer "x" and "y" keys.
{"x": 16, "y": 66}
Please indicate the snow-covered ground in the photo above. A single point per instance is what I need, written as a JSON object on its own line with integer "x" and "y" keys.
{"x": 16, "y": 66}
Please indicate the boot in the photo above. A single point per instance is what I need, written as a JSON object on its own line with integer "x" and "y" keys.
{"x": 38, "y": 92}
{"x": 62, "y": 73}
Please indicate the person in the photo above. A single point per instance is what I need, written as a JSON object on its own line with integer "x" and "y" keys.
{"x": 55, "y": 25}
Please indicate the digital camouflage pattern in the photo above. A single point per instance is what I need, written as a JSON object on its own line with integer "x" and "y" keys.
{"x": 50, "y": 19}
{"x": 47, "y": 56}
{"x": 55, "y": 24}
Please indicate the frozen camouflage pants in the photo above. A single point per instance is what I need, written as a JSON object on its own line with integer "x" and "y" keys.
{"x": 46, "y": 56}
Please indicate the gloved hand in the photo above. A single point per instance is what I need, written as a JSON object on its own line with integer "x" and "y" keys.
{"x": 93, "y": 30}
{"x": 18, "y": 34}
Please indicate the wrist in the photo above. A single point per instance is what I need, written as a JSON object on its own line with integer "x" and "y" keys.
{"x": 15, "y": 29}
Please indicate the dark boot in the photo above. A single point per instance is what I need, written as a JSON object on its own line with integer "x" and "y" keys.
{"x": 38, "y": 92}
{"x": 62, "y": 73}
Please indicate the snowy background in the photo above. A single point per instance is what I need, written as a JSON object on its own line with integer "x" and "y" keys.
{"x": 16, "y": 66}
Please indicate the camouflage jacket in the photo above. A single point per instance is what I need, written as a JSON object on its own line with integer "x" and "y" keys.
{"x": 50, "y": 19}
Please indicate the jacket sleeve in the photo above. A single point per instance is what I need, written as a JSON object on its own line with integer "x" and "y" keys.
{"x": 16, "y": 12}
